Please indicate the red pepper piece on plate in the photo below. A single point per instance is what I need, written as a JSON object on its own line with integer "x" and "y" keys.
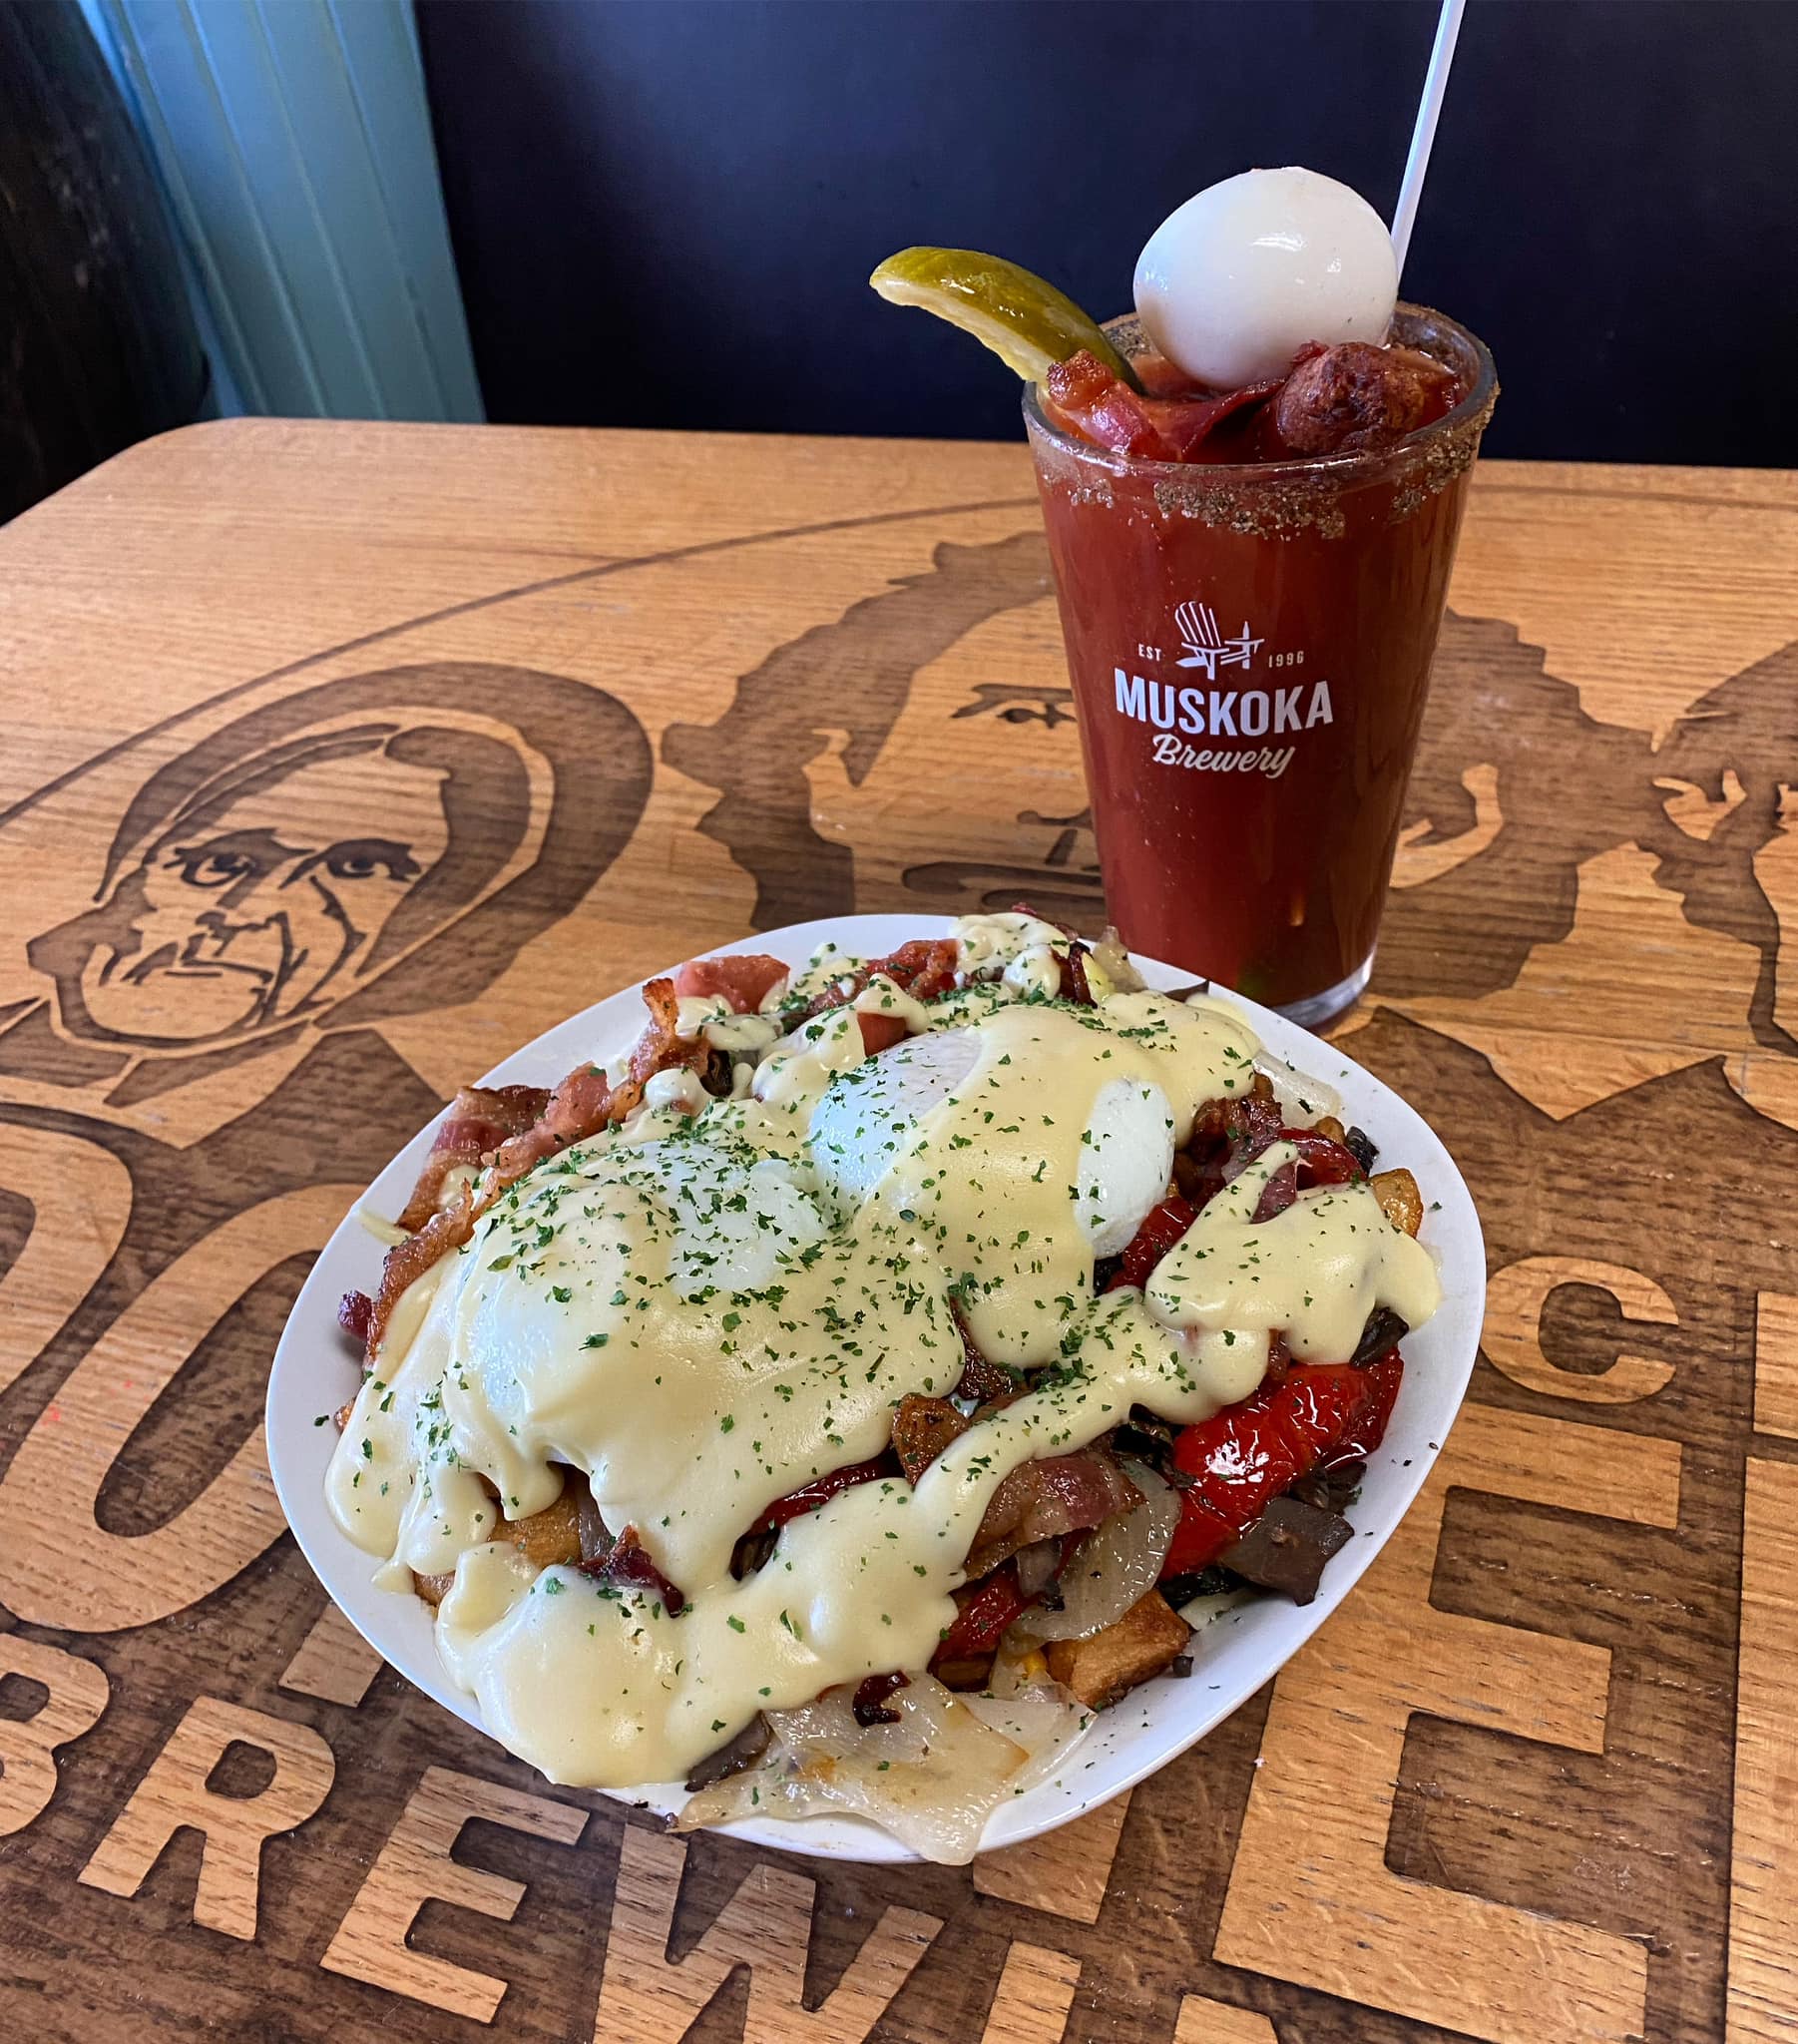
{"x": 1241, "y": 1459}
{"x": 982, "y": 1617}
{"x": 880, "y": 1032}
{"x": 1162, "y": 1228}
{"x": 1321, "y": 1161}
{"x": 871, "y": 1698}
{"x": 809, "y": 1496}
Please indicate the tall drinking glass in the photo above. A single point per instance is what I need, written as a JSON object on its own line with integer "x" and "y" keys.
{"x": 1250, "y": 649}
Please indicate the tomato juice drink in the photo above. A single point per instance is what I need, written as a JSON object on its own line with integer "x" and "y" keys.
{"x": 1249, "y": 637}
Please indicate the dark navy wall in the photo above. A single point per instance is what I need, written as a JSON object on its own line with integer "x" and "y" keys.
{"x": 664, "y": 210}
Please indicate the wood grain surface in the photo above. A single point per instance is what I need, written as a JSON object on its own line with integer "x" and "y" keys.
{"x": 339, "y": 759}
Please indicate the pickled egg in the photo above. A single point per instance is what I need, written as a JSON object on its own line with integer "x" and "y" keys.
{"x": 1232, "y": 283}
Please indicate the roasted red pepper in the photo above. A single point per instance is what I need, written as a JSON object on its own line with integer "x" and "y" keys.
{"x": 1162, "y": 1229}
{"x": 871, "y": 1695}
{"x": 809, "y": 1496}
{"x": 1241, "y": 1459}
{"x": 983, "y": 1617}
{"x": 880, "y": 1032}
{"x": 1321, "y": 1161}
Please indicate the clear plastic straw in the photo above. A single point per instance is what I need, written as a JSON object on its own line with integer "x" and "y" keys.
{"x": 1435, "y": 84}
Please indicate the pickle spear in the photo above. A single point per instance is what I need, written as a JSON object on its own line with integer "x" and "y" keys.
{"x": 1022, "y": 318}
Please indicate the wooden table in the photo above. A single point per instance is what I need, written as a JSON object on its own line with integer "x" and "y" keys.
{"x": 508, "y": 718}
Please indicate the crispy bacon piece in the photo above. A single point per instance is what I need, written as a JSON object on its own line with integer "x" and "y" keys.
{"x": 580, "y": 1106}
{"x": 742, "y": 979}
{"x": 587, "y": 1101}
{"x": 1227, "y": 1134}
{"x": 1073, "y": 975}
{"x": 353, "y": 1309}
{"x": 1088, "y": 401}
{"x": 1238, "y": 1118}
{"x": 480, "y": 1119}
{"x": 1213, "y": 428}
{"x": 1043, "y": 1500}
{"x": 629, "y": 1564}
{"x": 448, "y": 1228}
{"x": 924, "y": 968}
{"x": 1036, "y": 1501}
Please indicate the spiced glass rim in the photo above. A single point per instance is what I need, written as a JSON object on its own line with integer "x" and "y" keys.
{"x": 1456, "y": 347}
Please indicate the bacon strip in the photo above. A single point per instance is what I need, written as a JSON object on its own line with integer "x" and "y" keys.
{"x": 628, "y": 1565}
{"x": 1043, "y": 1500}
{"x": 924, "y": 968}
{"x": 742, "y": 979}
{"x": 1036, "y": 1501}
{"x": 580, "y": 1106}
{"x": 480, "y": 1119}
{"x": 448, "y": 1228}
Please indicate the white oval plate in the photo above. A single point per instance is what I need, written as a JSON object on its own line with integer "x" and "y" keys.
{"x": 315, "y": 1371}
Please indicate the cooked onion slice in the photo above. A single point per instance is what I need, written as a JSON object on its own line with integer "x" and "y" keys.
{"x": 931, "y": 1779}
{"x": 1302, "y": 1098}
{"x": 1113, "y": 961}
{"x": 1111, "y": 1568}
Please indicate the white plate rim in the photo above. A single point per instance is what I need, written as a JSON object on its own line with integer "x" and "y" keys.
{"x": 1124, "y": 1746}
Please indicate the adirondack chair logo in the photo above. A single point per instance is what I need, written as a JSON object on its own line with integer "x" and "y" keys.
{"x": 1206, "y": 647}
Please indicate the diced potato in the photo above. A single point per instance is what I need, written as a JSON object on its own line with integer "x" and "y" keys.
{"x": 1399, "y": 1198}
{"x": 1328, "y": 1125}
{"x": 552, "y": 1535}
{"x": 1108, "y": 1665}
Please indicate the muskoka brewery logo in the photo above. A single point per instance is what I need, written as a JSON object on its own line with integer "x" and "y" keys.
{"x": 1177, "y": 714}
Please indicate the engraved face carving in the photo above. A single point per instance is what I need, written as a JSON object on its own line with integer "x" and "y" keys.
{"x": 254, "y": 906}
